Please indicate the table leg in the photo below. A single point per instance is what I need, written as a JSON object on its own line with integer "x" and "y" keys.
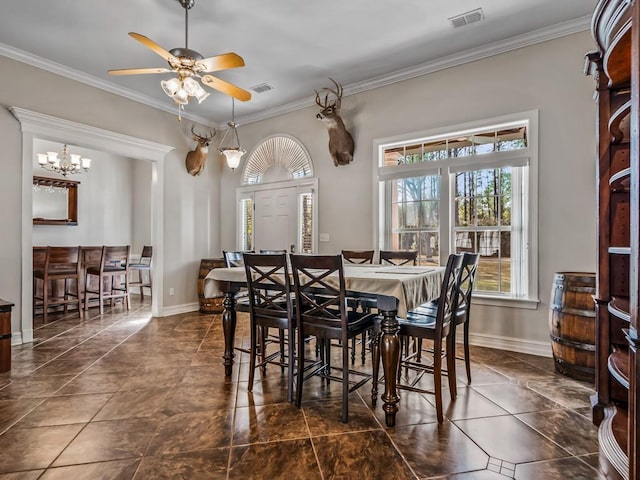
{"x": 390, "y": 351}
{"x": 229, "y": 328}
{"x": 375, "y": 354}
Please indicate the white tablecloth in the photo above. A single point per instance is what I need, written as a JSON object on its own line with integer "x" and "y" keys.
{"x": 411, "y": 285}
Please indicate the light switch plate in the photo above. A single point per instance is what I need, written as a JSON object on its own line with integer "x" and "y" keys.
{"x": 324, "y": 237}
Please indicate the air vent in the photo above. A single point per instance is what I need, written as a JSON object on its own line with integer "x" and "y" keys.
{"x": 467, "y": 18}
{"x": 263, "y": 87}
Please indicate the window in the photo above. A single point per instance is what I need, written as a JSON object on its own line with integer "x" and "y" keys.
{"x": 466, "y": 189}
{"x": 305, "y": 222}
{"x": 246, "y": 224}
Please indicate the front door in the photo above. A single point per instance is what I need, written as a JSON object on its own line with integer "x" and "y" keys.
{"x": 276, "y": 219}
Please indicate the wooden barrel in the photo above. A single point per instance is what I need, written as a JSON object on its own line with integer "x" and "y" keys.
{"x": 209, "y": 304}
{"x": 572, "y": 324}
{"x": 5, "y": 335}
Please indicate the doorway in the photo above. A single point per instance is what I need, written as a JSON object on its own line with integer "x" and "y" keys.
{"x": 276, "y": 225}
{"x": 278, "y": 216}
{"x": 36, "y": 125}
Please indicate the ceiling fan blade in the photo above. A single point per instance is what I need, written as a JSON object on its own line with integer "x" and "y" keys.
{"x": 147, "y": 42}
{"x": 221, "y": 62}
{"x": 226, "y": 87}
{"x": 138, "y": 71}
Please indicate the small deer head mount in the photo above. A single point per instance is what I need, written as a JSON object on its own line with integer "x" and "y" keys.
{"x": 340, "y": 141}
{"x": 196, "y": 158}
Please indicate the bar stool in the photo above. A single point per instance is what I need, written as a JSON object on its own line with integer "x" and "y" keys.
{"x": 114, "y": 264}
{"x": 61, "y": 263}
{"x": 143, "y": 265}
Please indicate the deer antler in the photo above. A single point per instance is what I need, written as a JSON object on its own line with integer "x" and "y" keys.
{"x": 209, "y": 136}
{"x": 337, "y": 93}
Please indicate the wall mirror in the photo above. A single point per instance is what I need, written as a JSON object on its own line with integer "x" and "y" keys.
{"x": 55, "y": 201}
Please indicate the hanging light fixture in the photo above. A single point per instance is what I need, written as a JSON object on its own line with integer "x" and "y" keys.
{"x": 67, "y": 165}
{"x": 232, "y": 154}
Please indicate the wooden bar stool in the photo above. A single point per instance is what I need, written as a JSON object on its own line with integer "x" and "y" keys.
{"x": 61, "y": 263}
{"x": 114, "y": 267}
{"x": 143, "y": 265}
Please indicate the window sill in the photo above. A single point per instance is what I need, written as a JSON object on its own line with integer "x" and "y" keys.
{"x": 509, "y": 302}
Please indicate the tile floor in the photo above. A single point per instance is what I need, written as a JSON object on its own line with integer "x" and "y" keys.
{"x": 123, "y": 396}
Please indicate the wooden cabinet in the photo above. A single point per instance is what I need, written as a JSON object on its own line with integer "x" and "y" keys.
{"x": 616, "y": 70}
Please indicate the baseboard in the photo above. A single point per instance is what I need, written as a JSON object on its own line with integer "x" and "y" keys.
{"x": 177, "y": 309}
{"x": 16, "y": 338}
{"x": 511, "y": 344}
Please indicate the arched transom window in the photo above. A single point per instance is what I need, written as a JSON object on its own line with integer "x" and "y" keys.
{"x": 279, "y": 157}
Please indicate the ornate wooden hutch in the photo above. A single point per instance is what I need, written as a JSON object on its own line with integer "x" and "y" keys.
{"x": 616, "y": 68}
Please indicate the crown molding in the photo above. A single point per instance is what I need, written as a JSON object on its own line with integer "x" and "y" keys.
{"x": 520, "y": 41}
{"x": 49, "y": 127}
{"x": 93, "y": 81}
{"x": 496, "y": 48}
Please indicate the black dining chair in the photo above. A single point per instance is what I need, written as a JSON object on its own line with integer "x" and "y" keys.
{"x": 270, "y": 306}
{"x": 399, "y": 257}
{"x": 358, "y": 256}
{"x": 327, "y": 318}
{"x": 463, "y": 312}
{"x": 438, "y": 327}
{"x": 234, "y": 259}
{"x": 468, "y": 271}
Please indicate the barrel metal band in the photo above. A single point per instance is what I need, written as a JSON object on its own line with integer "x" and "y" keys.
{"x": 569, "y": 343}
{"x": 570, "y": 367}
{"x": 574, "y": 311}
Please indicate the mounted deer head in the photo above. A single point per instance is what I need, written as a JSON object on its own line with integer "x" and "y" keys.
{"x": 340, "y": 141}
{"x": 196, "y": 158}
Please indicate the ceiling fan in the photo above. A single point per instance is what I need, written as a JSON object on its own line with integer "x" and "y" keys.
{"x": 189, "y": 65}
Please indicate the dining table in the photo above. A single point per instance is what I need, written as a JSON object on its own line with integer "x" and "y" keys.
{"x": 395, "y": 289}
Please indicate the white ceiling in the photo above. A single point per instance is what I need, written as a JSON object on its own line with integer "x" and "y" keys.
{"x": 293, "y": 45}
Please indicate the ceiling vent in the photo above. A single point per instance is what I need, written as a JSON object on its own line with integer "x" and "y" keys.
{"x": 263, "y": 87}
{"x": 467, "y": 18}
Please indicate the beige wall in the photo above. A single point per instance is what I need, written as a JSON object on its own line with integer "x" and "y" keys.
{"x": 141, "y": 206}
{"x": 547, "y": 77}
{"x": 190, "y": 203}
{"x": 105, "y": 201}
{"x": 199, "y": 213}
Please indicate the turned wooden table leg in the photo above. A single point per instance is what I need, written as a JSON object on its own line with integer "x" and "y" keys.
{"x": 390, "y": 351}
{"x": 229, "y": 328}
{"x": 375, "y": 354}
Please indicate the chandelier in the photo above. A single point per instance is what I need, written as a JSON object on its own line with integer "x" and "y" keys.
{"x": 67, "y": 165}
{"x": 232, "y": 154}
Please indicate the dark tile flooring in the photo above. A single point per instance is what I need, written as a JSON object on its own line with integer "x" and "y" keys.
{"x": 123, "y": 396}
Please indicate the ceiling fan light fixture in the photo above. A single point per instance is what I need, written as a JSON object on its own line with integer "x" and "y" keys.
{"x": 170, "y": 87}
{"x": 181, "y": 97}
{"x": 190, "y": 85}
{"x": 189, "y": 66}
{"x": 201, "y": 94}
